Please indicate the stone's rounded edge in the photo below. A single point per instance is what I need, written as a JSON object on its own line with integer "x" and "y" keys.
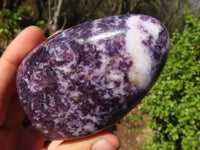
{"x": 21, "y": 74}
{"x": 144, "y": 47}
{"x": 57, "y": 131}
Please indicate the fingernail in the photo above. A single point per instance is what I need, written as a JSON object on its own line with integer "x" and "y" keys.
{"x": 102, "y": 144}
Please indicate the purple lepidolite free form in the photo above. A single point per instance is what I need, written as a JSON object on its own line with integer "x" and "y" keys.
{"x": 87, "y": 77}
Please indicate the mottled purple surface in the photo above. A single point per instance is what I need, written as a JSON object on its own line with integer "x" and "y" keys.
{"x": 86, "y": 78}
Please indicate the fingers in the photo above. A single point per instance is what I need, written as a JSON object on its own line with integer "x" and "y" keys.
{"x": 15, "y": 114}
{"x": 101, "y": 141}
{"x": 29, "y": 139}
{"x": 28, "y": 39}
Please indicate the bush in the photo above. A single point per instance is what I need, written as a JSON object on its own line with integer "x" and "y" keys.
{"x": 9, "y": 27}
{"x": 12, "y": 22}
{"x": 173, "y": 104}
{"x": 9, "y": 23}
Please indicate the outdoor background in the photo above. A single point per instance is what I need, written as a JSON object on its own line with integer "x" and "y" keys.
{"x": 168, "y": 118}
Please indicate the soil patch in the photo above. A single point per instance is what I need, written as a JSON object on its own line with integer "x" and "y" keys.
{"x": 132, "y": 134}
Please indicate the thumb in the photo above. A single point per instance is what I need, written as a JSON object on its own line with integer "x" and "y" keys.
{"x": 101, "y": 141}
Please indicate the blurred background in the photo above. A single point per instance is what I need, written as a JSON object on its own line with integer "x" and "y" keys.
{"x": 52, "y": 15}
{"x": 168, "y": 117}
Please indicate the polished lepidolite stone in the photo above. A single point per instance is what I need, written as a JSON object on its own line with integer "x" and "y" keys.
{"x": 87, "y": 77}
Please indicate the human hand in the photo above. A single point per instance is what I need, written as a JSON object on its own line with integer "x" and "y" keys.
{"x": 12, "y": 134}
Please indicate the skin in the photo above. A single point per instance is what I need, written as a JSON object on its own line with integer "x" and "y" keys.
{"x": 12, "y": 135}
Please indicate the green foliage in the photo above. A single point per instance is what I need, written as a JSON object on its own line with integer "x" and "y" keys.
{"x": 133, "y": 117}
{"x": 9, "y": 25}
{"x": 12, "y": 21}
{"x": 30, "y": 17}
{"x": 41, "y": 24}
{"x": 174, "y": 102}
{"x": 132, "y": 131}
